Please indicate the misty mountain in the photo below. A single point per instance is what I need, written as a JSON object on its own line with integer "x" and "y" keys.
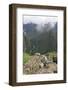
{"x": 40, "y": 38}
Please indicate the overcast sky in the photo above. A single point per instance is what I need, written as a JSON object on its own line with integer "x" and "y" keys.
{"x": 39, "y": 19}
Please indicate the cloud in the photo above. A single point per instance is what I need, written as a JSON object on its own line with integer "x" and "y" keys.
{"x": 39, "y": 19}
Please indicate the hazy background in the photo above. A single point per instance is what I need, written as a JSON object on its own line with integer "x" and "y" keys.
{"x": 40, "y": 34}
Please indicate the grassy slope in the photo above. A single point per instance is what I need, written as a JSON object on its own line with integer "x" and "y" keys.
{"x": 26, "y": 57}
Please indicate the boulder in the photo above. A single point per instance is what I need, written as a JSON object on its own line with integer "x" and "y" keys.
{"x": 38, "y": 54}
{"x": 41, "y": 65}
{"x": 44, "y": 59}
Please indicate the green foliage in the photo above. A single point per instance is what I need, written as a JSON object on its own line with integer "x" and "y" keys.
{"x": 51, "y": 55}
{"x": 42, "y": 42}
{"x": 26, "y": 57}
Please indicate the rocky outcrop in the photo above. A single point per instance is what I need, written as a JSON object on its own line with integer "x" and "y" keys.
{"x": 39, "y": 64}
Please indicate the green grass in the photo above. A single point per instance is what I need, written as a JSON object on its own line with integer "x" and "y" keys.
{"x": 26, "y": 57}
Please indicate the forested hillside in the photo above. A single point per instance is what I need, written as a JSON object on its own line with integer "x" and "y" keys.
{"x": 40, "y": 38}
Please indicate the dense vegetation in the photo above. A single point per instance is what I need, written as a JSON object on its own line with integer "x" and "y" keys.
{"x": 26, "y": 57}
{"x": 41, "y": 39}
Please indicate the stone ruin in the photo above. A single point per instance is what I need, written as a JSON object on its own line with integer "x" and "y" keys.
{"x": 35, "y": 63}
